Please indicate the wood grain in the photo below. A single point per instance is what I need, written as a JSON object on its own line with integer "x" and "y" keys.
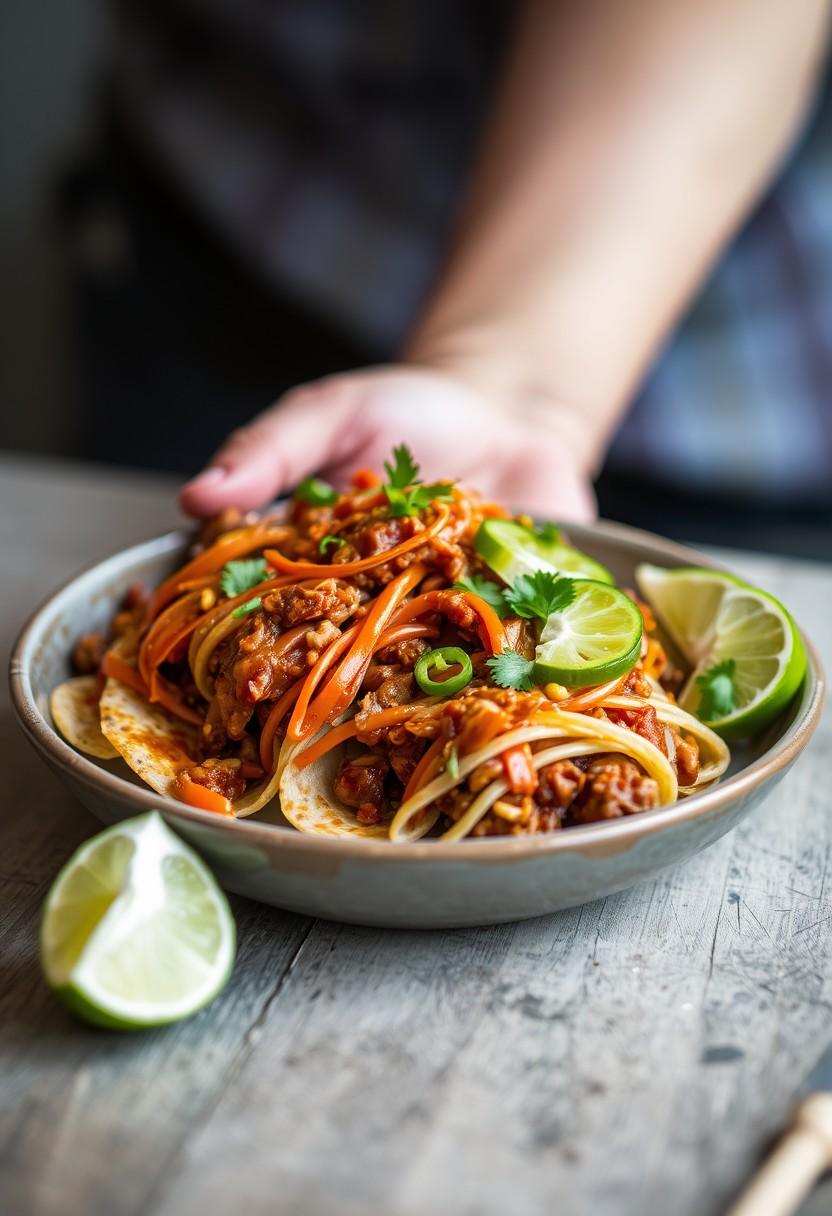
{"x": 632, "y": 1056}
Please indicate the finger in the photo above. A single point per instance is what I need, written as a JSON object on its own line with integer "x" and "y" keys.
{"x": 304, "y": 431}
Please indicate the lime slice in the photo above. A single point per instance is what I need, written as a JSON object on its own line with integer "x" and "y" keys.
{"x": 596, "y": 637}
{"x": 509, "y": 550}
{"x": 716, "y": 619}
{"x": 135, "y": 931}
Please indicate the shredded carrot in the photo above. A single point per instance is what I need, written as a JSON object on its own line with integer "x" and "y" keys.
{"x": 114, "y": 665}
{"x": 200, "y": 796}
{"x": 166, "y": 630}
{"x": 345, "y": 569}
{"x": 490, "y": 628}
{"x": 276, "y": 715}
{"x": 520, "y": 775}
{"x": 380, "y": 721}
{"x": 365, "y": 479}
{"x": 295, "y": 728}
{"x": 227, "y": 548}
{"x": 345, "y": 681}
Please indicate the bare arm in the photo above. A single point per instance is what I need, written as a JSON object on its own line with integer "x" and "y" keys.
{"x": 628, "y": 140}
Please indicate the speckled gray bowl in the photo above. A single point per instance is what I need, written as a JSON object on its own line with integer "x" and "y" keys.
{"x": 424, "y": 885}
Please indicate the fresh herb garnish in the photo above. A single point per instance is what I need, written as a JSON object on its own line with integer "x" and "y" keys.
{"x": 716, "y": 686}
{"x": 316, "y": 492}
{"x": 511, "y": 670}
{"x": 240, "y": 576}
{"x": 452, "y": 765}
{"x": 328, "y": 541}
{"x": 540, "y": 594}
{"x": 249, "y": 606}
{"x": 486, "y": 590}
{"x": 404, "y": 473}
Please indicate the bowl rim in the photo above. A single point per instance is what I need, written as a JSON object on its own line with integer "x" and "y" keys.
{"x": 605, "y": 836}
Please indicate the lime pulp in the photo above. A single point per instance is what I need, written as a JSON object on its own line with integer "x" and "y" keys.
{"x": 595, "y": 638}
{"x": 136, "y": 932}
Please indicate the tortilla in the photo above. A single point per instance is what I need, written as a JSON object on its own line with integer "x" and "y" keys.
{"x": 156, "y": 745}
{"x": 74, "y": 709}
{"x": 308, "y": 802}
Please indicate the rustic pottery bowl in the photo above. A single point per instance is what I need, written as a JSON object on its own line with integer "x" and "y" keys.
{"x": 423, "y": 885}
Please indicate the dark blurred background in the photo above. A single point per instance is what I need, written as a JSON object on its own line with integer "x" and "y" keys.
{"x": 204, "y": 205}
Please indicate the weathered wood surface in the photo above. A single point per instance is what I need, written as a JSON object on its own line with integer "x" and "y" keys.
{"x": 631, "y": 1056}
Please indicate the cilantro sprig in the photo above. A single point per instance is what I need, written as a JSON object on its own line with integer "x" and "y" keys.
{"x": 239, "y": 576}
{"x": 540, "y": 594}
{"x": 717, "y": 692}
{"x": 486, "y": 590}
{"x": 404, "y": 489}
{"x": 510, "y": 670}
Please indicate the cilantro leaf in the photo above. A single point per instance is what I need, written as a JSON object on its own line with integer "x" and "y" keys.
{"x": 511, "y": 670}
{"x": 404, "y": 471}
{"x": 239, "y": 576}
{"x": 540, "y": 594}
{"x": 410, "y": 502}
{"x": 328, "y": 541}
{"x": 716, "y": 686}
{"x": 486, "y": 590}
{"x": 249, "y": 606}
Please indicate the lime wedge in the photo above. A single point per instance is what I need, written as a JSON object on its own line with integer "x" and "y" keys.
{"x": 596, "y": 637}
{"x": 509, "y": 550}
{"x": 720, "y": 623}
{"x": 135, "y": 930}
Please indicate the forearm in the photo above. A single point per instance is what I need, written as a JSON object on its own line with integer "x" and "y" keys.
{"x": 628, "y": 140}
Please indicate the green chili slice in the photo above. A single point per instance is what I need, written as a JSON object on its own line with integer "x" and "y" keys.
{"x": 316, "y": 491}
{"x": 440, "y": 661}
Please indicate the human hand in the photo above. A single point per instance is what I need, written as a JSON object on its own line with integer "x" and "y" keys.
{"x": 334, "y": 425}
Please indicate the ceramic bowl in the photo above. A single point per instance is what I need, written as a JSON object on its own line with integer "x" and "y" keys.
{"x": 428, "y": 884}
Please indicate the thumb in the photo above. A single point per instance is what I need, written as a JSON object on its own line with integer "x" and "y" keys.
{"x": 304, "y": 431}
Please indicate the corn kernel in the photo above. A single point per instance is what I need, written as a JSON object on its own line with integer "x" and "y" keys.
{"x": 556, "y": 692}
{"x": 207, "y": 599}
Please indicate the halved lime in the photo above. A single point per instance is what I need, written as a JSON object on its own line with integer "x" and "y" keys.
{"x": 136, "y": 931}
{"x": 715, "y": 619}
{"x": 509, "y": 550}
{"x": 596, "y": 637}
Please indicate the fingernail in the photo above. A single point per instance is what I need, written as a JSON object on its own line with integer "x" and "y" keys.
{"x": 209, "y": 477}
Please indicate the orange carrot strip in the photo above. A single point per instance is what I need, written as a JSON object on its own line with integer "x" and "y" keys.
{"x": 490, "y": 629}
{"x": 115, "y": 666}
{"x": 276, "y": 715}
{"x": 200, "y": 796}
{"x": 345, "y": 681}
{"x": 345, "y": 569}
{"x": 233, "y": 545}
{"x": 520, "y": 775}
{"x": 294, "y": 730}
{"x": 399, "y": 633}
{"x": 156, "y": 644}
{"x": 334, "y": 736}
{"x": 337, "y": 734}
{"x": 365, "y": 479}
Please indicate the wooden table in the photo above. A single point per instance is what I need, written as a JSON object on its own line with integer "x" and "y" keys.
{"x": 630, "y": 1056}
